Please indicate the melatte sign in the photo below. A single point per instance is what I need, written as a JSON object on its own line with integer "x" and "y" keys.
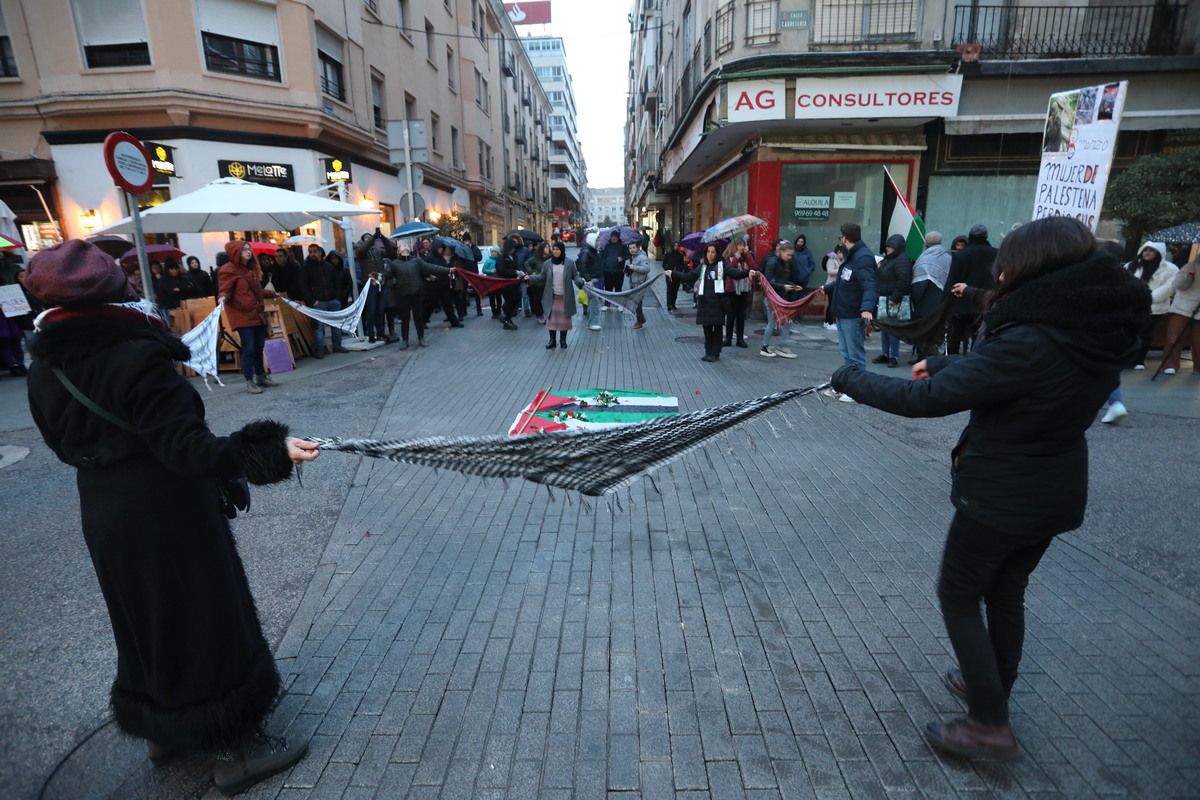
{"x": 279, "y": 175}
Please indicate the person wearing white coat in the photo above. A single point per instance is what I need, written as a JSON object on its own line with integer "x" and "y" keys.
{"x": 1152, "y": 266}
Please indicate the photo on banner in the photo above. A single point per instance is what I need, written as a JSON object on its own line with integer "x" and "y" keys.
{"x": 1077, "y": 148}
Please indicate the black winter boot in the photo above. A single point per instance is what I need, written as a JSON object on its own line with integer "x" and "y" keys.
{"x": 255, "y": 759}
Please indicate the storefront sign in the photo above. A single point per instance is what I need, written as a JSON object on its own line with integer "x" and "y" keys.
{"x": 1077, "y": 148}
{"x": 532, "y": 12}
{"x": 279, "y": 175}
{"x": 336, "y": 170}
{"x": 162, "y": 158}
{"x": 751, "y": 100}
{"x": 811, "y": 207}
{"x": 845, "y": 199}
{"x": 890, "y": 96}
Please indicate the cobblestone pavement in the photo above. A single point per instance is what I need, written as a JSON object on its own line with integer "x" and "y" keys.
{"x": 760, "y": 622}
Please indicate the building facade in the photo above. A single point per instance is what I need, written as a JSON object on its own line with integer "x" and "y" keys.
{"x": 791, "y": 110}
{"x": 274, "y": 91}
{"x": 568, "y": 171}
{"x": 608, "y": 207}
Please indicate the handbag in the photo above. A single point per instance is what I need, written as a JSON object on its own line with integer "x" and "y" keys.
{"x": 895, "y": 312}
{"x": 233, "y": 494}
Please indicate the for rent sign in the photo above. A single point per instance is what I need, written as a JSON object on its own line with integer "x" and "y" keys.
{"x": 1077, "y": 147}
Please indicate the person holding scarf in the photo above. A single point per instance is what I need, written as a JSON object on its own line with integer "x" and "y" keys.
{"x": 713, "y": 288}
{"x": 739, "y": 258}
{"x": 1061, "y": 323}
{"x": 1152, "y": 268}
{"x": 558, "y": 294}
{"x": 675, "y": 262}
{"x": 194, "y": 671}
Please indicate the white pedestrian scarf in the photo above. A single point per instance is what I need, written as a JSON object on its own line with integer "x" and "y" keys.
{"x": 346, "y": 318}
{"x": 626, "y": 301}
{"x": 718, "y": 282}
{"x": 202, "y": 342}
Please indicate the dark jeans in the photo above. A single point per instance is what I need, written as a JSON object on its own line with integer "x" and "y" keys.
{"x": 1146, "y": 337}
{"x": 673, "y": 292}
{"x": 961, "y": 334}
{"x": 535, "y": 299}
{"x": 373, "y": 312}
{"x": 253, "y": 339}
{"x": 411, "y": 306}
{"x": 511, "y": 296}
{"x": 735, "y": 320}
{"x": 613, "y": 281}
{"x": 438, "y": 296}
{"x": 982, "y": 563}
{"x": 712, "y": 340}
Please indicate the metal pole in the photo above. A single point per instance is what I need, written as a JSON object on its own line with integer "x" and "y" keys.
{"x": 341, "y": 190}
{"x": 412, "y": 190}
{"x": 139, "y": 242}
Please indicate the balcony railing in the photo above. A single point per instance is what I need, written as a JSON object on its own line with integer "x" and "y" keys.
{"x": 1021, "y": 32}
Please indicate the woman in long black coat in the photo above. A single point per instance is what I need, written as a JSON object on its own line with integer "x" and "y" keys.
{"x": 194, "y": 672}
{"x": 1062, "y": 323}
{"x": 714, "y": 287}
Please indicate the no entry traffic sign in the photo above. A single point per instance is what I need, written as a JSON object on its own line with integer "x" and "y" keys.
{"x": 128, "y": 162}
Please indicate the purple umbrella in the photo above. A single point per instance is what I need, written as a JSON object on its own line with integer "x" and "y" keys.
{"x": 628, "y": 235}
{"x": 693, "y": 244}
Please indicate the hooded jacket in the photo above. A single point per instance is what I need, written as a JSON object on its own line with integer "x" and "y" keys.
{"x": 973, "y": 266}
{"x": 1161, "y": 281}
{"x": 238, "y": 283}
{"x": 894, "y": 278}
{"x": 1052, "y": 354}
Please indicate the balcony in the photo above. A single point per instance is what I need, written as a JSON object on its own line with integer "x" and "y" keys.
{"x": 520, "y": 137}
{"x": 509, "y": 66}
{"x": 1024, "y": 32}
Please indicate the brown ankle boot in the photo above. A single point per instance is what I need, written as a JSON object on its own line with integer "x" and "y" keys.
{"x": 966, "y": 737}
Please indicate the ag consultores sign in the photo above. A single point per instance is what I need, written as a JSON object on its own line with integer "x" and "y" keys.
{"x": 892, "y": 96}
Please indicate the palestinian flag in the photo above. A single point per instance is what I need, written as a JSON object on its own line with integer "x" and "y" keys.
{"x": 591, "y": 409}
{"x": 901, "y": 219}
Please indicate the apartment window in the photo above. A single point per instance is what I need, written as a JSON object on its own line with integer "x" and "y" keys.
{"x": 724, "y": 41}
{"x": 429, "y": 41}
{"x": 481, "y": 91}
{"x": 224, "y": 26}
{"x": 762, "y": 21}
{"x": 402, "y": 13}
{"x": 548, "y": 72}
{"x": 410, "y": 107}
{"x": 329, "y": 63}
{"x": 435, "y": 124}
{"x": 450, "y": 71}
{"x": 455, "y": 149}
{"x": 862, "y": 20}
{"x": 112, "y": 33}
{"x": 8, "y": 64}
{"x": 557, "y": 122}
{"x": 377, "y": 102}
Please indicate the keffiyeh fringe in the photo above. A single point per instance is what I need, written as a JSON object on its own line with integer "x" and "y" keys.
{"x": 591, "y": 462}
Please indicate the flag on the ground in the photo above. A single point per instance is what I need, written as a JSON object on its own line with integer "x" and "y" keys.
{"x": 591, "y": 409}
{"x": 901, "y": 218}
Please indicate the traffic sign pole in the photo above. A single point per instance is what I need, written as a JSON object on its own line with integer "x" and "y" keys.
{"x": 140, "y": 244}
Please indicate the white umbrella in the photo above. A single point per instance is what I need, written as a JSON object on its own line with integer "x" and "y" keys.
{"x": 303, "y": 240}
{"x": 229, "y": 204}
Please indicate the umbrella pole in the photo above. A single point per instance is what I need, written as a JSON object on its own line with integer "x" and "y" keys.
{"x": 140, "y": 243}
{"x": 341, "y": 190}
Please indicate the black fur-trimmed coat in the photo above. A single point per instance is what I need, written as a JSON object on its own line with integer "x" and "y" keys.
{"x": 193, "y": 669}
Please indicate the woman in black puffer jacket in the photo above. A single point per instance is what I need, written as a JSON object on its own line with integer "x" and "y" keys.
{"x": 894, "y": 282}
{"x": 1062, "y": 323}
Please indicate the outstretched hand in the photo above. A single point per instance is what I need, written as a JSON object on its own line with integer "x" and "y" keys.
{"x": 301, "y": 450}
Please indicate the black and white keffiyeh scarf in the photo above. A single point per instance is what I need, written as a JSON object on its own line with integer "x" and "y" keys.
{"x": 627, "y": 301}
{"x": 593, "y": 462}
